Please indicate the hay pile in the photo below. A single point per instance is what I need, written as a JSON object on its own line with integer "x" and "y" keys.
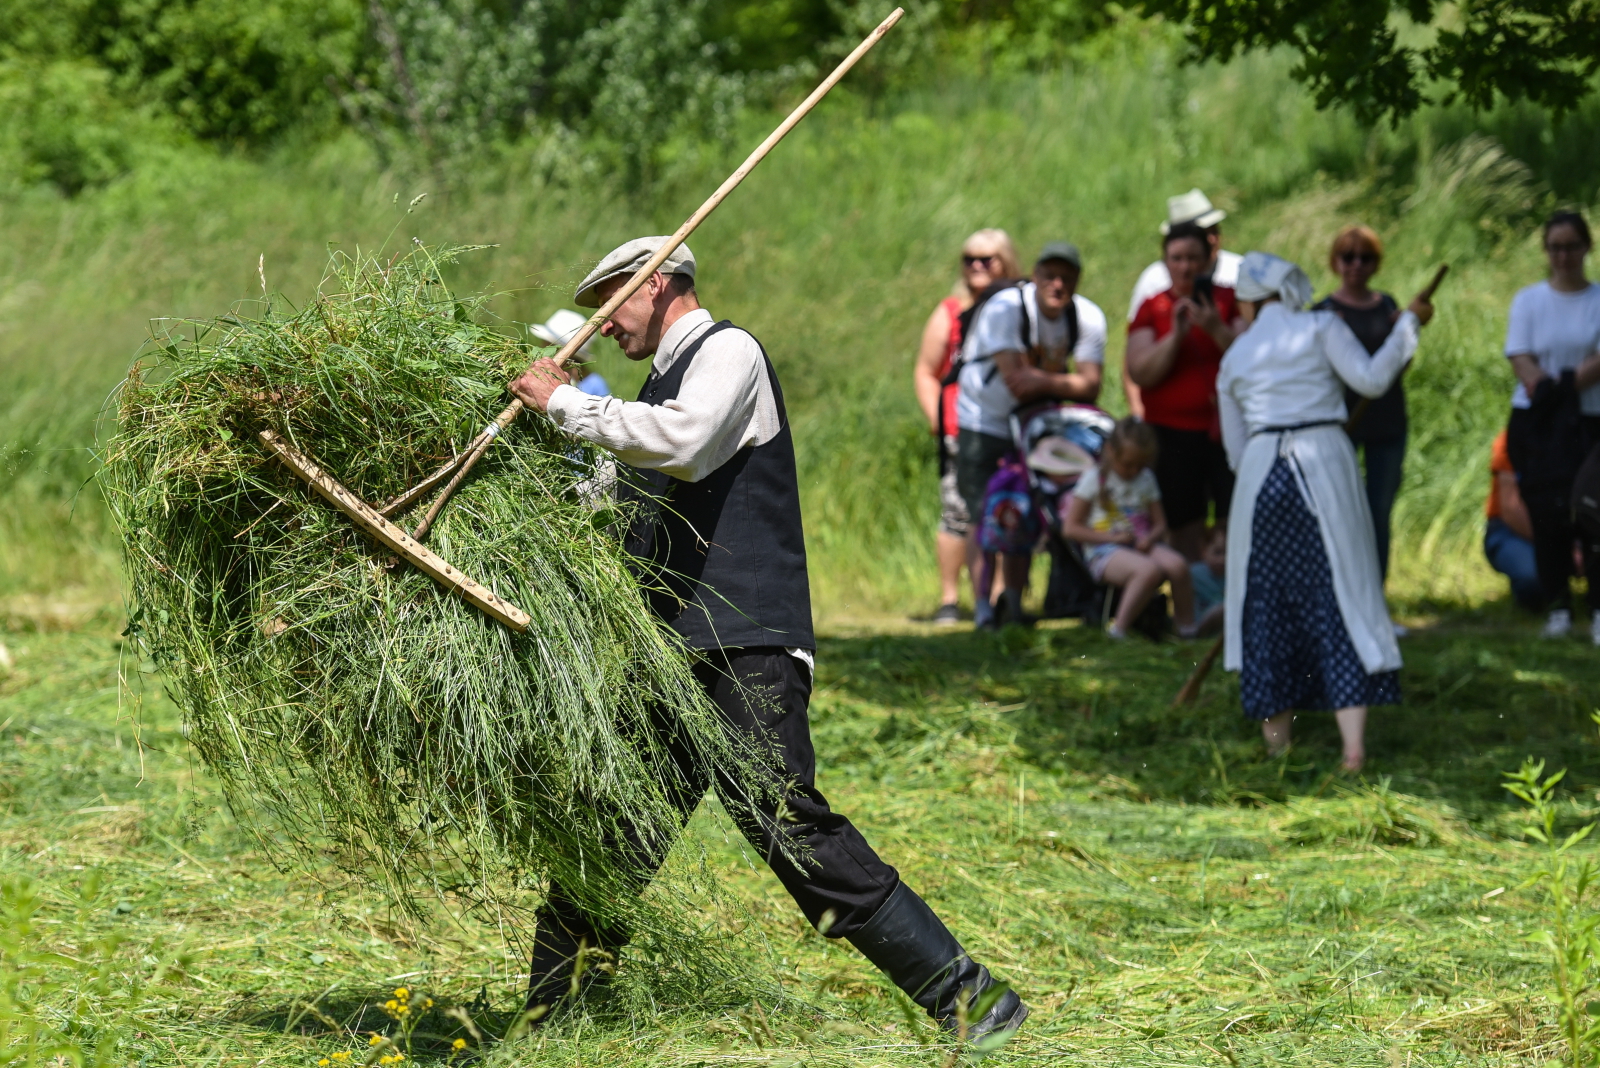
{"x": 357, "y": 705}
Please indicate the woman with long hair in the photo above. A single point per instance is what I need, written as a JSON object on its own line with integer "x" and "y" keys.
{"x": 987, "y": 257}
{"x": 1306, "y": 624}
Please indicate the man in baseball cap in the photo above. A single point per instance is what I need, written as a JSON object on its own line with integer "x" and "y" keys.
{"x": 1038, "y": 340}
{"x": 710, "y": 458}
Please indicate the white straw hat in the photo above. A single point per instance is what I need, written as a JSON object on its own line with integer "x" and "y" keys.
{"x": 559, "y": 328}
{"x": 1191, "y": 207}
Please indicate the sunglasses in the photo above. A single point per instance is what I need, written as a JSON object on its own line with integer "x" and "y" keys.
{"x": 975, "y": 261}
{"x": 1370, "y": 259}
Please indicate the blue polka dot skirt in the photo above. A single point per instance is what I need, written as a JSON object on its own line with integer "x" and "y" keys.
{"x": 1297, "y": 652}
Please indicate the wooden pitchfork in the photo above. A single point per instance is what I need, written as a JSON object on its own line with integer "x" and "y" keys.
{"x": 378, "y": 521}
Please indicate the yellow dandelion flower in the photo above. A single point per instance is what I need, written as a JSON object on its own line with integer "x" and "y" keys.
{"x": 459, "y": 1043}
{"x": 323, "y": 1063}
{"x": 374, "y": 1040}
{"x": 342, "y": 1055}
{"x": 401, "y": 992}
{"x": 427, "y": 1003}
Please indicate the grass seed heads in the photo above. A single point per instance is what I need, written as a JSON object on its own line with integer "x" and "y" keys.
{"x": 354, "y": 704}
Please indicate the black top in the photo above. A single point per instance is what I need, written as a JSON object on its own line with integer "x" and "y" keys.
{"x": 1385, "y": 418}
{"x": 723, "y": 560}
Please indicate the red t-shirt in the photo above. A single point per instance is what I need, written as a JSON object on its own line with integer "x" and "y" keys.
{"x": 952, "y": 345}
{"x": 1187, "y": 398}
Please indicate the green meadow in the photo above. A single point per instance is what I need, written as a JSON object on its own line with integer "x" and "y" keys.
{"x": 1157, "y": 889}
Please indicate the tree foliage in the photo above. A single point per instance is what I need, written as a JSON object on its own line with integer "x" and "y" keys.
{"x": 1386, "y": 58}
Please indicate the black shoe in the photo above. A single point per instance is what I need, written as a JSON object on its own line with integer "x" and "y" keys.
{"x": 948, "y": 615}
{"x": 918, "y": 953}
{"x": 567, "y": 946}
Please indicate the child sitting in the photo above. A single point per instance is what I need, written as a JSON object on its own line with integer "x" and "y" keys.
{"x": 1115, "y": 512}
{"x": 1209, "y": 574}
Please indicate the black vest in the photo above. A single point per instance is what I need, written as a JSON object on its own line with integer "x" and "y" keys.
{"x": 723, "y": 560}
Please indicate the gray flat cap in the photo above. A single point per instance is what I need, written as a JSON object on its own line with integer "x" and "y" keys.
{"x": 623, "y": 260}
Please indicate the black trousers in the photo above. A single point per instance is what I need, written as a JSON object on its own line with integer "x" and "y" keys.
{"x": 762, "y": 692}
{"x": 1554, "y": 530}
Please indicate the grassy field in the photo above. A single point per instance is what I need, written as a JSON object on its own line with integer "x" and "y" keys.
{"x": 1159, "y": 891}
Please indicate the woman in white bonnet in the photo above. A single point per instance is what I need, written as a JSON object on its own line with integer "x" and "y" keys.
{"x": 1306, "y": 624}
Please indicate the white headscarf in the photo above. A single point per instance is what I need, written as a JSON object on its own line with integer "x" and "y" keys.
{"x": 1263, "y": 275}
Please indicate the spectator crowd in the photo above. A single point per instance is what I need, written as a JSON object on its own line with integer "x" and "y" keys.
{"x": 1255, "y": 479}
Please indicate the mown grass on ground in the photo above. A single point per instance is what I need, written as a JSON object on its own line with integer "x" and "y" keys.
{"x": 1159, "y": 890}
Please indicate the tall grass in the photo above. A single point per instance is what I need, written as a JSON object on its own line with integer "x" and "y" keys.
{"x": 833, "y": 254}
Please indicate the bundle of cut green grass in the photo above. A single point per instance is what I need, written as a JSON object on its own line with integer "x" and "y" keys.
{"x": 353, "y": 702}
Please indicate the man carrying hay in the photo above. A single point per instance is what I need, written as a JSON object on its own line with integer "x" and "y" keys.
{"x": 709, "y": 440}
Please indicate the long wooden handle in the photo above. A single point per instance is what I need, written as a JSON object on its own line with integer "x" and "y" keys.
{"x": 368, "y": 519}
{"x": 1191, "y": 686}
{"x": 653, "y": 264}
{"x": 470, "y": 456}
{"x": 1433, "y": 286}
{"x": 1366, "y": 402}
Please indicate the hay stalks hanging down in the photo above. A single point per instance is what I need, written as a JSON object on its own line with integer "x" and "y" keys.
{"x": 353, "y": 703}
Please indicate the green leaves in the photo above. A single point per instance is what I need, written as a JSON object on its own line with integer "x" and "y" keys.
{"x": 1353, "y": 52}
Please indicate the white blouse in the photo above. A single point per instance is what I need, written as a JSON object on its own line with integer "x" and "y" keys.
{"x": 1290, "y": 369}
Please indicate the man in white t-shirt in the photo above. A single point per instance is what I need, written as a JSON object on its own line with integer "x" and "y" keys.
{"x": 1032, "y": 342}
{"x": 1191, "y": 207}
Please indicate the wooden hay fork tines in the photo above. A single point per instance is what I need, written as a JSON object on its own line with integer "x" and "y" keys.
{"x": 367, "y": 518}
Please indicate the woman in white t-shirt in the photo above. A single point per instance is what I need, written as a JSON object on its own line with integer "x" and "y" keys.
{"x": 1553, "y": 343}
{"x": 1115, "y": 513}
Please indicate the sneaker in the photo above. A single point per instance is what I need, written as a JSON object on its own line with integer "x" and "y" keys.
{"x": 1594, "y": 627}
{"x": 1558, "y": 625}
{"x": 1116, "y": 633}
{"x": 984, "y": 616}
{"x": 948, "y": 615}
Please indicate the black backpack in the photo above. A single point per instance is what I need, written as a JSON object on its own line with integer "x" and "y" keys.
{"x": 970, "y": 316}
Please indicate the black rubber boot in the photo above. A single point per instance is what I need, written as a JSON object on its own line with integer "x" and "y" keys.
{"x": 916, "y": 950}
{"x": 562, "y": 936}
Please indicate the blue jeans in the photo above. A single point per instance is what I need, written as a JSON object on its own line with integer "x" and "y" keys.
{"x": 1512, "y": 555}
{"x": 1383, "y": 462}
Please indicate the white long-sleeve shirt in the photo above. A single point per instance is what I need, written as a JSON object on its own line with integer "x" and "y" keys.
{"x": 725, "y": 403}
{"x": 1290, "y": 368}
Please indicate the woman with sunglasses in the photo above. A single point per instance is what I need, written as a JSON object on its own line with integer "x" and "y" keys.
{"x": 1379, "y": 431}
{"x": 987, "y": 257}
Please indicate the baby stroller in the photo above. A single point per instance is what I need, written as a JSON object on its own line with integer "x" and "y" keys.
{"x": 1059, "y": 442}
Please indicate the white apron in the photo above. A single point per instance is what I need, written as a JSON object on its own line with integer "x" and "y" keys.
{"x": 1328, "y": 478}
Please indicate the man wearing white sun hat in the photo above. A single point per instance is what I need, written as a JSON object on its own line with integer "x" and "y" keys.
{"x": 558, "y": 330}
{"x": 1191, "y": 207}
{"x": 719, "y": 536}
